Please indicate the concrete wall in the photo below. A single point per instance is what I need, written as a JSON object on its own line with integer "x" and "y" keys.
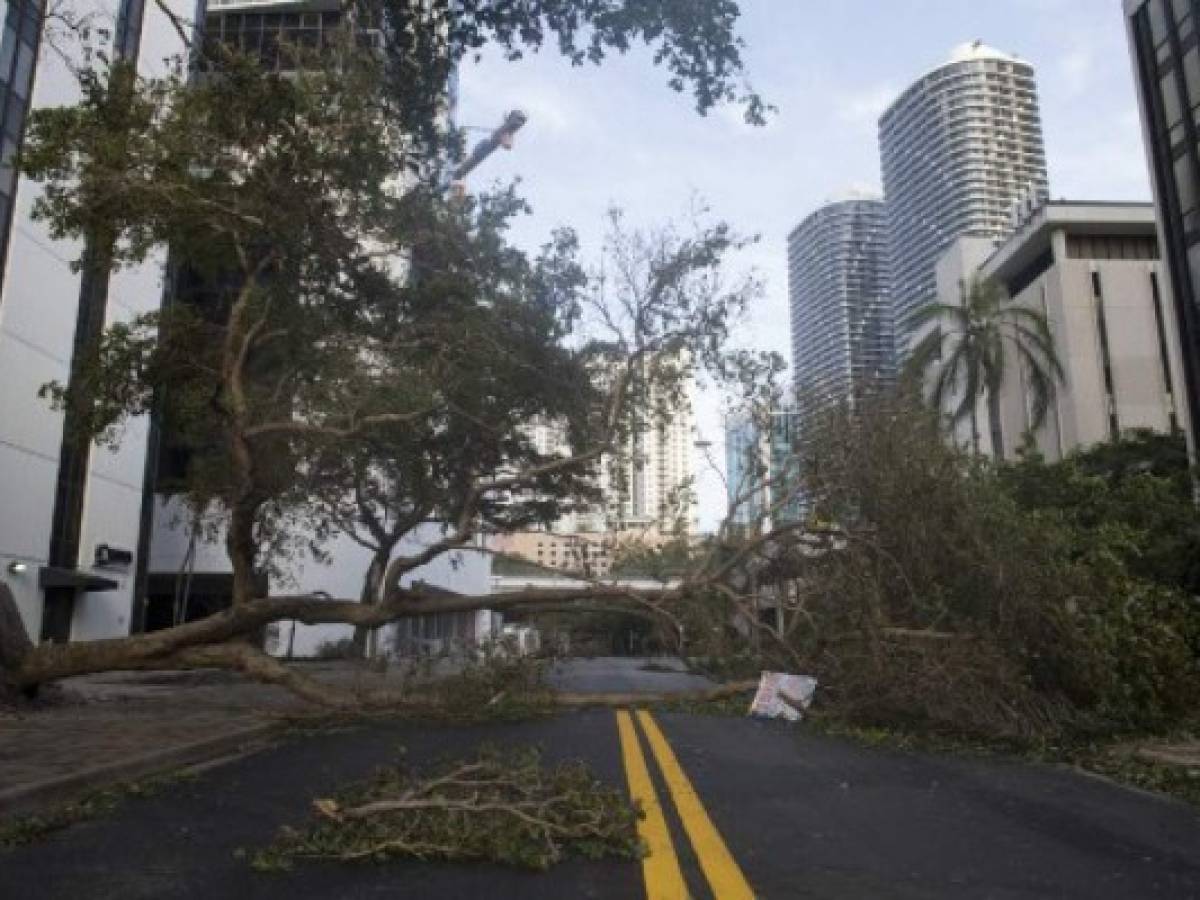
{"x": 1079, "y": 415}
{"x": 953, "y": 274}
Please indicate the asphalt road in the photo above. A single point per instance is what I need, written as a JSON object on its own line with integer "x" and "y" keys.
{"x": 625, "y": 675}
{"x": 799, "y": 815}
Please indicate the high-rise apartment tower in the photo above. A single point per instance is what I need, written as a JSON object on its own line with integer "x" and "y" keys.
{"x": 838, "y": 294}
{"x": 961, "y": 150}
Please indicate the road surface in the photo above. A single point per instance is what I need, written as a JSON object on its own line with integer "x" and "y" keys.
{"x": 754, "y": 808}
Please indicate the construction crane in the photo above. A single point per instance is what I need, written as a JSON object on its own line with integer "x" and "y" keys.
{"x": 501, "y": 137}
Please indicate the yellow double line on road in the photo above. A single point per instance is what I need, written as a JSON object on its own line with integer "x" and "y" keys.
{"x": 663, "y": 876}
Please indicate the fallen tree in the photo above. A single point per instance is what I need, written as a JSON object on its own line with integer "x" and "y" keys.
{"x": 343, "y": 341}
{"x": 957, "y": 595}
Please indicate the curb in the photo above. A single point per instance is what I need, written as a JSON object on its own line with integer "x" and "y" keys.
{"x": 28, "y": 797}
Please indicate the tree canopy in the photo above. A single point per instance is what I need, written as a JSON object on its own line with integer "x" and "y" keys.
{"x": 346, "y": 340}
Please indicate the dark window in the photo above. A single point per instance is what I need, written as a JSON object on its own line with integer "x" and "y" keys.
{"x": 1114, "y": 424}
{"x": 1160, "y": 326}
{"x": 1158, "y": 21}
{"x": 18, "y": 51}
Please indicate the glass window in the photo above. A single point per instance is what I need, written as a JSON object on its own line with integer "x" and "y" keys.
{"x": 1181, "y": 8}
{"x": 1191, "y": 75}
{"x": 1185, "y": 183}
{"x": 14, "y": 115}
{"x": 1193, "y": 254}
{"x": 1158, "y": 21}
{"x": 24, "y": 72}
{"x": 1172, "y": 107}
{"x": 8, "y": 50}
{"x": 30, "y": 22}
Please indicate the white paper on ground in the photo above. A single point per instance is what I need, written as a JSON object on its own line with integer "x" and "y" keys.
{"x": 783, "y": 696}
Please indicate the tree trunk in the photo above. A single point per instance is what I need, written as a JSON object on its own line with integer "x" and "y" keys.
{"x": 994, "y": 425}
{"x": 15, "y": 644}
{"x": 183, "y": 644}
{"x": 371, "y": 593}
{"x": 243, "y": 552}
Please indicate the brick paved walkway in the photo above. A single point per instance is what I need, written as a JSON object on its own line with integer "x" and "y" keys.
{"x": 110, "y": 720}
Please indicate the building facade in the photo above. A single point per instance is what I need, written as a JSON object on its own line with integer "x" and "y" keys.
{"x": 646, "y": 485}
{"x": 960, "y": 149}
{"x": 69, "y": 510}
{"x": 745, "y": 468}
{"x": 762, "y": 468}
{"x": 1166, "y": 64}
{"x": 839, "y": 300}
{"x": 1094, "y": 271}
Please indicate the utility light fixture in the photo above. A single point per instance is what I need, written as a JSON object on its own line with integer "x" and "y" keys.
{"x": 16, "y": 567}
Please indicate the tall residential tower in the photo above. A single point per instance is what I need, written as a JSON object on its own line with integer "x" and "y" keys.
{"x": 839, "y": 299}
{"x": 961, "y": 149}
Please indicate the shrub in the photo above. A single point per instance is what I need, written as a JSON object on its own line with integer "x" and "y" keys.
{"x": 951, "y": 600}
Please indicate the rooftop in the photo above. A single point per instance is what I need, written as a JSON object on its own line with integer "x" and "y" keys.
{"x": 973, "y": 50}
{"x": 970, "y": 51}
{"x": 1075, "y": 217}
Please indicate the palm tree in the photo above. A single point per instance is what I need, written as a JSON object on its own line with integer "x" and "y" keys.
{"x": 983, "y": 332}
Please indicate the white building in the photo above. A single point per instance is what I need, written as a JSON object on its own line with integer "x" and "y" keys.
{"x": 82, "y": 537}
{"x": 646, "y": 485}
{"x": 960, "y": 148}
{"x": 762, "y": 467}
{"x": 1095, "y": 271}
{"x": 62, "y": 503}
{"x": 190, "y": 576}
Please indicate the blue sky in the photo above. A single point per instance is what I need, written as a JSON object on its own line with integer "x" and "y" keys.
{"x": 618, "y": 135}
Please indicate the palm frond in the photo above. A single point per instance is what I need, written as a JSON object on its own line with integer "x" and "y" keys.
{"x": 1041, "y": 387}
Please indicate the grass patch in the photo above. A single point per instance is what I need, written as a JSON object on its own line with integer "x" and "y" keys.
{"x": 1176, "y": 781}
{"x": 496, "y": 689}
{"x": 500, "y": 807}
{"x": 737, "y": 705}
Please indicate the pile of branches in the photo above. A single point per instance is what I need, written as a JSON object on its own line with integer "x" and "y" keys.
{"x": 921, "y": 594}
{"x": 498, "y": 686}
{"x": 502, "y": 807}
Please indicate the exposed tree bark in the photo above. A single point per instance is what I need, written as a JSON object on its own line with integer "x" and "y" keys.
{"x": 371, "y": 593}
{"x": 50, "y": 662}
{"x": 15, "y": 644}
{"x": 997, "y": 437}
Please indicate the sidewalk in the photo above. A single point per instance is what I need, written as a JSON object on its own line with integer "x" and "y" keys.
{"x": 122, "y": 726}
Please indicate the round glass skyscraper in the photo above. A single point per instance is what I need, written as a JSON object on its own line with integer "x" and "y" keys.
{"x": 838, "y": 294}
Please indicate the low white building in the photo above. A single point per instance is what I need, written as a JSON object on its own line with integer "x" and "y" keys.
{"x": 190, "y": 577}
{"x": 1095, "y": 271}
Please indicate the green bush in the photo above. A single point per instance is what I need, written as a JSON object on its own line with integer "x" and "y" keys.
{"x": 1024, "y": 601}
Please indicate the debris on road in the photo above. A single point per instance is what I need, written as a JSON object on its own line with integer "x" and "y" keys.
{"x": 501, "y": 807}
{"x": 783, "y": 696}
